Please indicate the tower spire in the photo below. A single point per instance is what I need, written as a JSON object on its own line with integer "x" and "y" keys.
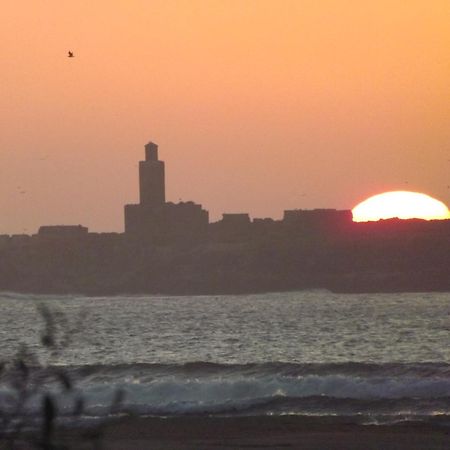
{"x": 151, "y": 178}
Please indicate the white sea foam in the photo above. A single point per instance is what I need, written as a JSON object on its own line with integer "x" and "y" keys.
{"x": 274, "y": 388}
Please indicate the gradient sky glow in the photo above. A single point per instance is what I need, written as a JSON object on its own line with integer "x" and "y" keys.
{"x": 257, "y": 105}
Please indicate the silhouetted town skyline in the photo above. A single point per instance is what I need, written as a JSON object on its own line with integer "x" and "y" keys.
{"x": 172, "y": 248}
{"x": 154, "y": 219}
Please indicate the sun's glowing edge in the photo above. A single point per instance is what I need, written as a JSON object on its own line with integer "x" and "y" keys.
{"x": 402, "y": 205}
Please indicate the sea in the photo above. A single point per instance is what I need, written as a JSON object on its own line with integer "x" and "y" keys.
{"x": 367, "y": 358}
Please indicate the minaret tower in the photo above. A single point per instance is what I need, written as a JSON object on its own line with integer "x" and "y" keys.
{"x": 152, "y": 190}
{"x": 153, "y": 220}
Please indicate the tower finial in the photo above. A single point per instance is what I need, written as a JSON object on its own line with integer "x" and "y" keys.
{"x": 151, "y": 152}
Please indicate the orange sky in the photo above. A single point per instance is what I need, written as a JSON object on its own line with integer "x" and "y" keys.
{"x": 258, "y": 106}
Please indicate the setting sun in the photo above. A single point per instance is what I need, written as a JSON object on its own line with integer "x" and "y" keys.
{"x": 401, "y": 204}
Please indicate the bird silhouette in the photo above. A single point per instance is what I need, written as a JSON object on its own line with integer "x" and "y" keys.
{"x": 70, "y": 54}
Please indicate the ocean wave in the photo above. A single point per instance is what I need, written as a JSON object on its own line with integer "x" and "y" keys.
{"x": 406, "y": 390}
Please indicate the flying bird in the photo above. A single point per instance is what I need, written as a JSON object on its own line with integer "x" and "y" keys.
{"x": 70, "y": 54}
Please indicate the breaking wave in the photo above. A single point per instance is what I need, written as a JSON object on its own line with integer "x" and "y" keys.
{"x": 394, "y": 392}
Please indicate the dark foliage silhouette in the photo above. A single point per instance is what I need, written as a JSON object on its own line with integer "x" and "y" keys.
{"x": 29, "y": 389}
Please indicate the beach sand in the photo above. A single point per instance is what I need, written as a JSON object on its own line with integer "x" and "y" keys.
{"x": 286, "y": 432}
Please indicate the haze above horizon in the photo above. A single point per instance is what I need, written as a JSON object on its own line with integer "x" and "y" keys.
{"x": 257, "y": 106}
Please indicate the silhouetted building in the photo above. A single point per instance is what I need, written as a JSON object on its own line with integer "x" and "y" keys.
{"x": 154, "y": 220}
{"x": 4, "y": 240}
{"x": 232, "y": 227}
{"x": 235, "y": 219}
{"x": 317, "y": 220}
{"x": 65, "y": 231}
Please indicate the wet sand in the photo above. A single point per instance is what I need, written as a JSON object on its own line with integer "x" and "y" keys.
{"x": 288, "y": 432}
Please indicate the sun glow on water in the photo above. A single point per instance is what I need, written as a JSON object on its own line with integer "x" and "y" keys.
{"x": 400, "y": 204}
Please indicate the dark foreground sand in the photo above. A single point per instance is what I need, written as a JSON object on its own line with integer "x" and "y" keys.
{"x": 288, "y": 432}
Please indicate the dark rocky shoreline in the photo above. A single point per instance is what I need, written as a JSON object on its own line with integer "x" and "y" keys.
{"x": 389, "y": 256}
